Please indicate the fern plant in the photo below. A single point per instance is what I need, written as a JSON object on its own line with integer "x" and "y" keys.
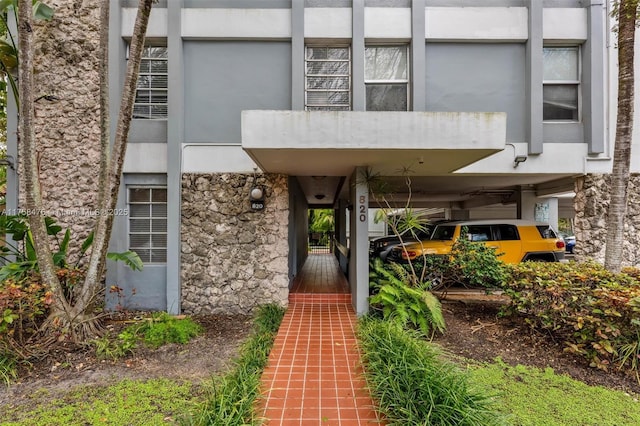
{"x": 413, "y": 306}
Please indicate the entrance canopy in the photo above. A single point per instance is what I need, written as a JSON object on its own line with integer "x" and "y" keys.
{"x": 333, "y": 143}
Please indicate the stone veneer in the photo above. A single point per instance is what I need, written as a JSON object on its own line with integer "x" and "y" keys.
{"x": 591, "y": 204}
{"x": 67, "y": 128}
{"x": 233, "y": 258}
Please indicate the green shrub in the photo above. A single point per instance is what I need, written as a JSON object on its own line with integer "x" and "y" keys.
{"x": 469, "y": 264}
{"x": 163, "y": 328}
{"x": 160, "y": 329}
{"x": 232, "y": 397}
{"x": 23, "y": 305}
{"x": 123, "y": 345}
{"x": 594, "y": 311}
{"x": 398, "y": 301}
{"x": 413, "y": 385}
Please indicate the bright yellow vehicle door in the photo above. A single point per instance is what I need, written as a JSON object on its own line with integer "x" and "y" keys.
{"x": 508, "y": 243}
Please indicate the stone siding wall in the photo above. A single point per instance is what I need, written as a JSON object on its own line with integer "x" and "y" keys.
{"x": 591, "y": 204}
{"x": 67, "y": 126}
{"x": 233, "y": 258}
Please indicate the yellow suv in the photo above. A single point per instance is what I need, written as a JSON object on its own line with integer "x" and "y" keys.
{"x": 514, "y": 240}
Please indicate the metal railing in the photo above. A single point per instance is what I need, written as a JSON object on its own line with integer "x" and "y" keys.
{"x": 320, "y": 242}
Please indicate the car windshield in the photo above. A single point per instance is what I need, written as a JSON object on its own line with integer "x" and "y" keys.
{"x": 443, "y": 233}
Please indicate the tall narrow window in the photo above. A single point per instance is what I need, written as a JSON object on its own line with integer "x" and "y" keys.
{"x": 151, "y": 95}
{"x": 328, "y": 78}
{"x": 386, "y": 78}
{"x": 561, "y": 91}
{"x": 148, "y": 223}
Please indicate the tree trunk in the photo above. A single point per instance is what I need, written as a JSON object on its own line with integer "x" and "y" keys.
{"x": 624, "y": 130}
{"x": 110, "y": 176}
{"x": 28, "y": 157}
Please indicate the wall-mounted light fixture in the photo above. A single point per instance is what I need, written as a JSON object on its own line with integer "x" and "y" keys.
{"x": 519, "y": 159}
{"x": 8, "y": 161}
{"x": 256, "y": 198}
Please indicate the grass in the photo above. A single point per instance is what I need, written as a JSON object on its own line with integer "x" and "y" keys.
{"x": 228, "y": 400}
{"x": 412, "y": 383}
{"x": 533, "y": 397}
{"x": 232, "y": 398}
{"x": 150, "y": 402}
{"x": 7, "y": 369}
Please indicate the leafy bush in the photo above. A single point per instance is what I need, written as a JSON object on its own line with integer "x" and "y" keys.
{"x": 413, "y": 385}
{"x": 163, "y": 328}
{"x": 469, "y": 264}
{"x": 23, "y": 304}
{"x": 232, "y": 397}
{"x": 594, "y": 311}
{"x": 398, "y": 301}
{"x": 160, "y": 329}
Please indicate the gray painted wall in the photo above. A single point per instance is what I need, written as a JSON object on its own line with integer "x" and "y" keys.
{"x": 222, "y": 78}
{"x": 478, "y": 78}
{"x": 298, "y": 229}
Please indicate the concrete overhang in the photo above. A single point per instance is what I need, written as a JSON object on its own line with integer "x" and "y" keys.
{"x": 332, "y": 143}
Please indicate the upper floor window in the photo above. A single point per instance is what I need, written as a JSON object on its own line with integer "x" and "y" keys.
{"x": 151, "y": 95}
{"x": 561, "y": 91}
{"x": 386, "y": 78}
{"x": 327, "y": 78}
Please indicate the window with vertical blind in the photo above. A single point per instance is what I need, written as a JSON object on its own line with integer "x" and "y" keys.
{"x": 386, "y": 76}
{"x": 561, "y": 90}
{"x": 151, "y": 94}
{"x": 327, "y": 78}
{"x": 148, "y": 223}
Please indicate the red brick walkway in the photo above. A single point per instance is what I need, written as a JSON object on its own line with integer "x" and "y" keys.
{"x": 314, "y": 374}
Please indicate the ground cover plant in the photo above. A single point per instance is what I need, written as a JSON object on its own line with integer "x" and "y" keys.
{"x": 156, "y": 401}
{"x": 595, "y": 312}
{"x": 534, "y": 396}
{"x": 413, "y": 385}
{"x": 231, "y": 399}
{"x": 154, "y": 331}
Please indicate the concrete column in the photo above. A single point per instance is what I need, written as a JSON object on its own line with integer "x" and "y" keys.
{"x": 534, "y": 78}
{"x": 418, "y": 85}
{"x": 359, "y": 244}
{"x": 539, "y": 209}
{"x": 175, "y": 136}
{"x": 594, "y": 77}
{"x": 359, "y": 102}
{"x": 297, "y": 55}
{"x": 526, "y": 203}
{"x": 457, "y": 214}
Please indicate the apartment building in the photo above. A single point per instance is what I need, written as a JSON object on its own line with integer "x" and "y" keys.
{"x": 250, "y": 112}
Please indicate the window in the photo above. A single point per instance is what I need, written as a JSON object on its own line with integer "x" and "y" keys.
{"x": 327, "y": 78}
{"x": 479, "y": 233}
{"x": 151, "y": 95}
{"x": 386, "y": 78}
{"x": 148, "y": 223}
{"x": 508, "y": 232}
{"x": 561, "y": 74}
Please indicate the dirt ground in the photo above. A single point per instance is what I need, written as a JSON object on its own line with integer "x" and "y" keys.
{"x": 473, "y": 331}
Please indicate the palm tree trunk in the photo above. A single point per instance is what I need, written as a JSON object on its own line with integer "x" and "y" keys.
{"x": 110, "y": 175}
{"x": 28, "y": 156}
{"x": 627, "y": 15}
